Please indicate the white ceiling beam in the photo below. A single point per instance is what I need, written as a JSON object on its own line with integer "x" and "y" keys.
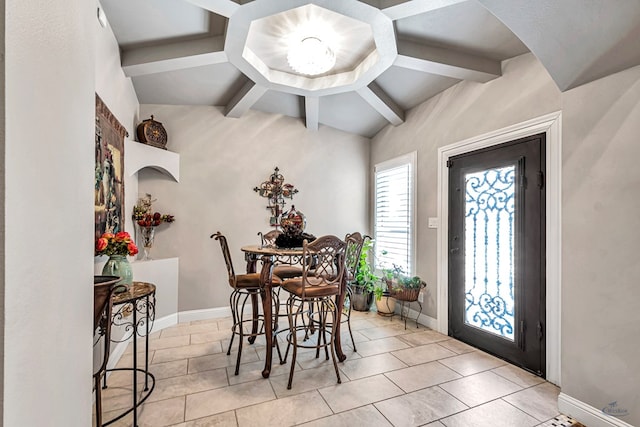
{"x": 173, "y": 56}
{"x": 382, "y": 103}
{"x": 312, "y": 112}
{"x": 398, "y": 9}
{"x": 244, "y": 99}
{"x": 446, "y": 62}
{"x": 225, "y": 8}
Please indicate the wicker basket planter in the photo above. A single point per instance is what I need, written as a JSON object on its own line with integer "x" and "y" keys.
{"x": 402, "y": 293}
{"x": 406, "y": 294}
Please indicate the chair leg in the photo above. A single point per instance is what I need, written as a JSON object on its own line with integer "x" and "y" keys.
{"x": 325, "y": 315}
{"x": 241, "y": 332}
{"x": 98, "y": 400}
{"x": 293, "y": 336}
{"x": 275, "y": 316}
{"x": 232, "y": 304}
{"x": 286, "y": 354}
{"x": 349, "y": 326}
{"x": 334, "y": 326}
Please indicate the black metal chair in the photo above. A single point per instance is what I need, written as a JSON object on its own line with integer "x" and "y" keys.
{"x": 355, "y": 242}
{"x": 319, "y": 286}
{"x": 244, "y": 286}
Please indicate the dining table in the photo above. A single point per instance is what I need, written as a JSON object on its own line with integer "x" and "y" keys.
{"x": 270, "y": 256}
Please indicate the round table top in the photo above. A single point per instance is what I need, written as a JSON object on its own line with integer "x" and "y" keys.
{"x": 271, "y": 250}
{"x": 135, "y": 291}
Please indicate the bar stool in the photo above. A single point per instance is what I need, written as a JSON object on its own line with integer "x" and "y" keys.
{"x": 320, "y": 284}
{"x": 244, "y": 286}
{"x": 355, "y": 242}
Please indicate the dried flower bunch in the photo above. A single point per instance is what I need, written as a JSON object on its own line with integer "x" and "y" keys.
{"x": 116, "y": 244}
{"x": 144, "y": 216}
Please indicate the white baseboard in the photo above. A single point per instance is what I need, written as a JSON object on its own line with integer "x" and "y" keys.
{"x": 209, "y": 313}
{"x": 424, "y": 320}
{"x": 587, "y": 414}
{"x": 165, "y": 322}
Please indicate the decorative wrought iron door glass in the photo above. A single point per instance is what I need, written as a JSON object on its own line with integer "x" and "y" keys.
{"x": 489, "y": 250}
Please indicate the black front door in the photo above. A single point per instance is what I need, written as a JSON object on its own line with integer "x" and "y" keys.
{"x": 497, "y": 250}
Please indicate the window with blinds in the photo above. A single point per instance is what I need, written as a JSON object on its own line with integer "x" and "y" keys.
{"x": 394, "y": 213}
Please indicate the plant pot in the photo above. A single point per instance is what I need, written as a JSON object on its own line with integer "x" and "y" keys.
{"x": 386, "y": 305}
{"x": 361, "y": 299}
{"x": 118, "y": 265}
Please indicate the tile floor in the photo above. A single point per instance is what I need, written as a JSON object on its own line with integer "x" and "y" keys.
{"x": 398, "y": 377}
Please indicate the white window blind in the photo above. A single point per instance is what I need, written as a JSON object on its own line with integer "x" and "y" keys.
{"x": 394, "y": 213}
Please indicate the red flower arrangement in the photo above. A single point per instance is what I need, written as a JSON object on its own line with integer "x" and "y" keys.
{"x": 152, "y": 220}
{"x": 116, "y": 244}
{"x": 144, "y": 218}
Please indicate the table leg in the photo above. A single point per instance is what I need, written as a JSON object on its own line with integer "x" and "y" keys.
{"x": 251, "y": 268}
{"x": 146, "y": 347}
{"x": 266, "y": 295}
{"x": 135, "y": 363}
{"x": 254, "y": 321}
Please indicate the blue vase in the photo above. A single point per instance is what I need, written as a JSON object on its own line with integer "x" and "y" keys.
{"x": 118, "y": 265}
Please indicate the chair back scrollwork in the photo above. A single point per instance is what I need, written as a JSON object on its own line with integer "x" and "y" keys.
{"x": 268, "y": 239}
{"x": 323, "y": 262}
{"x": 355, "y": 242}
{"x": 227, "y": 257}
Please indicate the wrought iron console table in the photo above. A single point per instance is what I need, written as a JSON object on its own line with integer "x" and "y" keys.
{"x": 135, "y": 313}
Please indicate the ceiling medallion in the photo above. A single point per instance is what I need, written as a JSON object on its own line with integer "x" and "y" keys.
{"x": 311, "y": 56}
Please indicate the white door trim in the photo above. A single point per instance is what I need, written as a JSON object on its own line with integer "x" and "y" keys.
{"x": 551, "y": 124}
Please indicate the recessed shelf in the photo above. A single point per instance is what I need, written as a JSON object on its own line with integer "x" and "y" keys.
{"x": 139, "y": 156}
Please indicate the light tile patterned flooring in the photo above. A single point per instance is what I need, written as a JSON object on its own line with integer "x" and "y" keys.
{"x": 398, "y": 377}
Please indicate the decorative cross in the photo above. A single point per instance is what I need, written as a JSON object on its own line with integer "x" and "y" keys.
{"x": 275, "y": 190}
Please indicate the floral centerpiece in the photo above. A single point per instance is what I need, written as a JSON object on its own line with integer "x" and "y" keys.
{"x": 147, "y": 220}
{"x": 116, "y": 244}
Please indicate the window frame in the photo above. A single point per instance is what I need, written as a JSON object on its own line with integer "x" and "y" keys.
{"x": 409, "y": 159}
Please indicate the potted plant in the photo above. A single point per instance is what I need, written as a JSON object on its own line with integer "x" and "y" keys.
{"x": 385, "y": 303}
{"x": 396, "y": 286}
{"x": 364, "y": 281}
{"x": 401, "y": 286}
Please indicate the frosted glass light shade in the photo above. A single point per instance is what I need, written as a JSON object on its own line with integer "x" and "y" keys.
{"x": 311, "y": 56}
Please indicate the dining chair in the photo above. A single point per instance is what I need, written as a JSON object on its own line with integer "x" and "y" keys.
{"x": 319, "y": 286}
{"x": 284, "y": 268}
{"x": 244, "y": 286}
{"x": 355, "y": 242}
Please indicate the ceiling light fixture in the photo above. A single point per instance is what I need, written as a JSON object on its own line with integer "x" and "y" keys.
{"x": 311, "y": 56}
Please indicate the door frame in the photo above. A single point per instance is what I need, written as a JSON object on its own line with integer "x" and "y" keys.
{"x": 551, "y": 125}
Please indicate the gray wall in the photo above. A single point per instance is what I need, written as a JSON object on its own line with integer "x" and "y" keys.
{"x": 49, "y": 172}
{"x": 601, "y": 243}
{"x": 221, "y": 161}
{"x": 2, "y": 206}
{"x": 600, "y": 292}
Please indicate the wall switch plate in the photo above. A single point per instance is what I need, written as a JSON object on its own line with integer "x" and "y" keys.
{"x": 421, "y": 297}
{"x": 434, "y": 223}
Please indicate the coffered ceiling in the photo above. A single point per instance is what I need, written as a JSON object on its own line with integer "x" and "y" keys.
{"x": 391, "y": 55}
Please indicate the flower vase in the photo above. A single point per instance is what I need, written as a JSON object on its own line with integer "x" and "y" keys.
{"x": 118, "y": 265}
{"x": 147, "y": 234}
